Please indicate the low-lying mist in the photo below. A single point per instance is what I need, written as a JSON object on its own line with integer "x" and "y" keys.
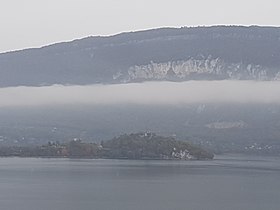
{"x": 149, "y": 93}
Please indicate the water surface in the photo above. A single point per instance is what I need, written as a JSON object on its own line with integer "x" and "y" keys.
{"x": 226, "y": 183}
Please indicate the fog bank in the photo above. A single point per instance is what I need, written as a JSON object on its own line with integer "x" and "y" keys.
{"x": 154, "y": 93}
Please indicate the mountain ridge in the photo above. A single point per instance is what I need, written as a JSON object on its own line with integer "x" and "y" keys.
{"x": 247, "y": 53}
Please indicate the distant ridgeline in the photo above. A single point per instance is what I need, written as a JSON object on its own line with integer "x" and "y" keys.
{"x": 133, "y": 146}
{"x": 176, "y": 54}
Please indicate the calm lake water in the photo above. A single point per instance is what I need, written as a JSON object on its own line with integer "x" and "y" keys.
{"x": 227, "y": 183}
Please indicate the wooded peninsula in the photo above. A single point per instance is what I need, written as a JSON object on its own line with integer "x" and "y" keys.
{"x": 127, "y": 146}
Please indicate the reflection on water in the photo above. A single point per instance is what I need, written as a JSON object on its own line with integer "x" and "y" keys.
{"x": 227, "y": 183}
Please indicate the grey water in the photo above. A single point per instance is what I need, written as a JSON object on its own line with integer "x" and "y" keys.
{"x": 226, "y": 183}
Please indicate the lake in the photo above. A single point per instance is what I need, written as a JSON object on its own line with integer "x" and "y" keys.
{"x": 227, "y": 183}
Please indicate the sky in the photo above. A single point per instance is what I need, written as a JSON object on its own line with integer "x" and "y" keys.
{"x": 149, "y": 93}
{"x": 35, "y": 23}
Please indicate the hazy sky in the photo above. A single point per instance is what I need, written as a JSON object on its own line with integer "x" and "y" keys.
{"x": 150, "y": 93}
{"x": 33, "y": 23}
